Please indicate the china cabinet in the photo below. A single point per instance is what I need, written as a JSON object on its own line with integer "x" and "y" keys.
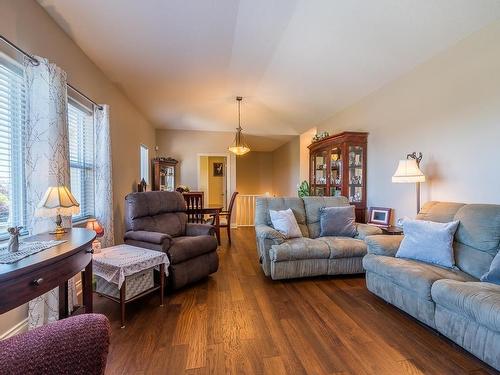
{"x": 337, "y": 167}
{"x": 164, "y": 174}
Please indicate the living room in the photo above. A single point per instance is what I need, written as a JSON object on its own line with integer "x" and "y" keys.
{"x": 243, "y": 159}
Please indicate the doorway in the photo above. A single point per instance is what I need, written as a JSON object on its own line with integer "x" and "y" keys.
{"x": 213, "y": 179}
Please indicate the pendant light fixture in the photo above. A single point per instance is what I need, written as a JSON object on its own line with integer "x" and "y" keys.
{"x": 239, "y": 147}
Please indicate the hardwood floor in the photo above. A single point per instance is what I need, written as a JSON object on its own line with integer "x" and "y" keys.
{"x": 240, "y": 322}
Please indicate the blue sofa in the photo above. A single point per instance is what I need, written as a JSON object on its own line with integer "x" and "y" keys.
{"x": 452, "y": 301}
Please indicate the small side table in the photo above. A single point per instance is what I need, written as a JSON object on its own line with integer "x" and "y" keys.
{"x": 118, "y": 264}
{"x": 392, "y": 230}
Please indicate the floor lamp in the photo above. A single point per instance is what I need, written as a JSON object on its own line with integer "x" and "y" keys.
{"x": 408, "y": 171}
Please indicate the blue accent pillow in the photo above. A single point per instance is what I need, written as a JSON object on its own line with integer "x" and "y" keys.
{"x": 429, "y": 242}
{"x": 493, "y": 275}
{"x": 337, "y": 221}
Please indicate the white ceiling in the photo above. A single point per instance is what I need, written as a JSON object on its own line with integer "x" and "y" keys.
{"x": 296, "y": 62}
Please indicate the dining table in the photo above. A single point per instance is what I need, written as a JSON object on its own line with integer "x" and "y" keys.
{"x": 208, "y": 209}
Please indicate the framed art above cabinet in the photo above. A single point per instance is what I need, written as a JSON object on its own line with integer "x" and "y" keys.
{"x": 337, "y": 167}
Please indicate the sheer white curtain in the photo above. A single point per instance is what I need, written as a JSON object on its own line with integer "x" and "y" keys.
{"x": 46, "y": 162}
{"x": 103, "y": 174}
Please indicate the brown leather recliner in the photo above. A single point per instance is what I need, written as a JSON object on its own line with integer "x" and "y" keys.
{"x": 157, "y": 220}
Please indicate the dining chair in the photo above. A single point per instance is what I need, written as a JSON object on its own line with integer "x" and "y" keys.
{"x": 194, "y": 203}
{"x": 226, "y": 216}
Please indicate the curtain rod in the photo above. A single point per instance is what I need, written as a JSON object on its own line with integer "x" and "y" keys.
{"x": 35, "y": 62}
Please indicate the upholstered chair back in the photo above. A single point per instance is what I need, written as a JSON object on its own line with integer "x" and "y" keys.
{"x": 477, "y": 239}
{"x": 156, "y": 211}
{"x": 264, "y": 204}
{"x": 313, "y": 205}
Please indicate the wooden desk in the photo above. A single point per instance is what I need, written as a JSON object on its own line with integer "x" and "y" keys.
{"x": 36, "y": 274}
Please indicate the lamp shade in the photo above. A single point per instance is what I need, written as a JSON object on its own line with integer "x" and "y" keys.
{"x": 57, "y": 200}
{"x": 94, "y": 225}
{"x": 408, "y": 171}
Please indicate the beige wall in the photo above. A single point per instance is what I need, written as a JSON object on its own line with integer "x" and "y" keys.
{"x": 254, "y": 173}
{"x": 448, "y": 108}
{"x": 26, "y": 24}
{"x": 188, "y": 145}
{"x": 286, "y": 168}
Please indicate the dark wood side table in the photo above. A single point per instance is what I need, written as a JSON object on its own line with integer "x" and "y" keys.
{"x": 392, "y": 230}
{"x": 36, "y": 274}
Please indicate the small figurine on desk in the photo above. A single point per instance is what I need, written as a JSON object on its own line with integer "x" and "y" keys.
{"x": 13, "y": 245}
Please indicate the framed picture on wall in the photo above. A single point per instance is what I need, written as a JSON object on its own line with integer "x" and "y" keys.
{"x": 218, "y": 169}
{"x": 380, "y": 216}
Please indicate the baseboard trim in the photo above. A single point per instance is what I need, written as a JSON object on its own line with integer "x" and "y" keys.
{"x": 22, "y": 326}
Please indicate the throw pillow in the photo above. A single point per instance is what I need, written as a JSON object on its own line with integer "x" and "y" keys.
{"x": 493, "y": 275}
{"x": 285, "y": 223}
{"x": 428, "y": 242}
{"x": 337, "y": 221}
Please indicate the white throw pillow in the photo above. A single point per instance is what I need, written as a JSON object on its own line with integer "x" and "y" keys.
{"x": 429, "y": 242}
{"x": 285, "y": 223}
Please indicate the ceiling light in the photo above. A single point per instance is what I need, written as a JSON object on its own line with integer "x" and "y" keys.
{"x": 239, "y": 147}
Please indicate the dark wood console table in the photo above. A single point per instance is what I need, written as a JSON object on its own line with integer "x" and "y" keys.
{"x": 36, "y": 274}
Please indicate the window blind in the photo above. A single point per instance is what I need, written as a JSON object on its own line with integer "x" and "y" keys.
{"x": 12, "y": 120}
{"x": 81, "y": 154}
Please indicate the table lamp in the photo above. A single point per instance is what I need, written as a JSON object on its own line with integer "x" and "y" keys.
{"x": 408, "y": 171}
{"x": 57, "y": 201}
{"x": 93, "y": 224}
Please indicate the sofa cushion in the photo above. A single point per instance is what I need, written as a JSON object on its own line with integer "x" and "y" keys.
{"x": 184, "y": 248}
{"x": 173, "y": 224}
{"x": 441, "y": 212}
{"x": 413, "y": 275}
{"x": 476, "y": 300}
{"x": 344, "y": 247}
{"x": 479, "y": 226}
{"x": 472, "y": 261}
{"x": 312, "y": 206}
{"x": 299, "y": 249}
{"x": 493, "y": 274}
{"x": 264, "y": 204}
{"x": 337, "y": 221}
{"x": 428, "y": 241}
{"x": 284, "y": 222}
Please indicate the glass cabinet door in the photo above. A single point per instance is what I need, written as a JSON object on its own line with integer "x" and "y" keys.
{"x": 319, "y": 171}
{"x": 356, "y": 183}
{"x": 167, "y": 178}
{"x": 336, "y": 172}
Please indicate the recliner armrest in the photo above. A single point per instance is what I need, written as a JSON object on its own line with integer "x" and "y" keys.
{"x": 365, "y": 230}
{"x": 198, "y": 229}
{"x": 383, "y": 244}
{"x": 266, "y": 232}
{"x": 146, "y": 236}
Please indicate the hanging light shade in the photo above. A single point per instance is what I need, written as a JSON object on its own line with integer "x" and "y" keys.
{"x": 239, "y": 147}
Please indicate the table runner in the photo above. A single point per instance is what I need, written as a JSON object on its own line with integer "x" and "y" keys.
{"x": 25, "y": 250}
{"x": 114, "y": 263}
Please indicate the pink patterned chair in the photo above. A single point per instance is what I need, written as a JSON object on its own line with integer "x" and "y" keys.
{"x": 76, "y": 345}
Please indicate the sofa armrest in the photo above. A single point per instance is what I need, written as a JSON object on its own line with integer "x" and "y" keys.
{"x": 266, "y": 232}
{"x": 146, "y": 236}
{"x": 197, "y": 229}
{"x": 365, "y": 230}
{"x": 383, "y": 244}
{"x": 76, "y": 345}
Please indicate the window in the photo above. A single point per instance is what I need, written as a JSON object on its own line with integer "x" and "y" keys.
{"x": 145, "y": 164}
{"x": 81, "y": 156}
{"x": 12, "y": 106}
